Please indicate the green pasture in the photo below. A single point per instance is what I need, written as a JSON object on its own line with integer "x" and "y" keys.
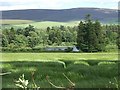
{"x": 45, "y": 24}
{"x": 37, "y": 24}
{"x": 13, "y": 22}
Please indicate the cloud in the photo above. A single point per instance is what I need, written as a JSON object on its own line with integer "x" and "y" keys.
{"x": 55, "y": 4}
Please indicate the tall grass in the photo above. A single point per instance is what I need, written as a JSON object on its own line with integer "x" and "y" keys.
{"x": 84, "y": 76}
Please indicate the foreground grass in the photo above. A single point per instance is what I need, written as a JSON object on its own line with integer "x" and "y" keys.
{"x": 86, "y": 70}
{"x": 57, "y": 56}
{"x": 83, "y": 74}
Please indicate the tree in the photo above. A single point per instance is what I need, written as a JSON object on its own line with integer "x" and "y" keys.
{"x": 33, "y": 39}
{"x": 45, "y": 39}
{"x": 58, "y": 37}
{"x": 80, "y": 36}
{"x": 20, "y": 41}
{"x": 48, "y": 29}
{"x": 4, "y": 41}
{"x": 89, "y": 36}
{"x": 20, "y": 31}
{"x": 62, "y": 28}
{"x": 28, "y": 30}
{"x": 11, "y": 35}
{"x": 118, "y": 38}
{"x": 100, "y": 41}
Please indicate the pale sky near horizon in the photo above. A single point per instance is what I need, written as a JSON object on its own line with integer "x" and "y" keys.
{"x": 56, "y": 4}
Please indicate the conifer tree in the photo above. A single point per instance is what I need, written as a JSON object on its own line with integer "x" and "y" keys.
{"x": 90, "y": 35}
{"x": 80, "y": 36}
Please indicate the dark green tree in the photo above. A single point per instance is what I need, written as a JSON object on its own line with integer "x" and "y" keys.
{"x": 80, "y": 36}
{"x": 28, "y": 30}
{"x": 4, "y": 41}
{"x": 89, "y": 36}
{"x": 100, "y": 41}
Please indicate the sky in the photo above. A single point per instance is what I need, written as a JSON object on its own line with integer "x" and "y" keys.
{"x": 56, "y": 4}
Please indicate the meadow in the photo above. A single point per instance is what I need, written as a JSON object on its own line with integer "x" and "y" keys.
{"x": 38, "y": 24}
{"x": 45, "y": 24}
{"x": 58, "y": 56}
{"x": 86, "y": 70}
{"x": 12, "y": 22}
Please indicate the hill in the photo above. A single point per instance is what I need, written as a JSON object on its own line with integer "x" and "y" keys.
{"x": 63, "y": 15}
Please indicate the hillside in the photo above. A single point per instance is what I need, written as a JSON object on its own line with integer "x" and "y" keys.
{"x": 63, "y": 15}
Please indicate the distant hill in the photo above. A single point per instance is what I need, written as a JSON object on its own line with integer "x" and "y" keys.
{"x": 63, "y": 15}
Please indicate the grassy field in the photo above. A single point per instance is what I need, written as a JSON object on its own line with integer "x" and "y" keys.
{"x": 45, "y": 24}
{"x": 13, "y": 22}
{"x": 36, "y": 24}
{"x": 86, "y": 70}
{"x": 57, "y": 56}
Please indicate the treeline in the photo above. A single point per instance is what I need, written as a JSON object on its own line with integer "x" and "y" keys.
{"x": 30, "y": 38}
{"x": 88, "y": 36}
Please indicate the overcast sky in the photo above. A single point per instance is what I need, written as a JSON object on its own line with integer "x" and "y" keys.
{"x": 56, "y": 4}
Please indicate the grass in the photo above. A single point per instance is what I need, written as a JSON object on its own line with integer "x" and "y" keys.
{"x": 45, "y": 24}
{"x": 84, "y": 76}
{"x": 39, "y": 25}
{"x": 13, "y": 22}
{"x": 57, "y": 56}
{"x": 86, "y": 70}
